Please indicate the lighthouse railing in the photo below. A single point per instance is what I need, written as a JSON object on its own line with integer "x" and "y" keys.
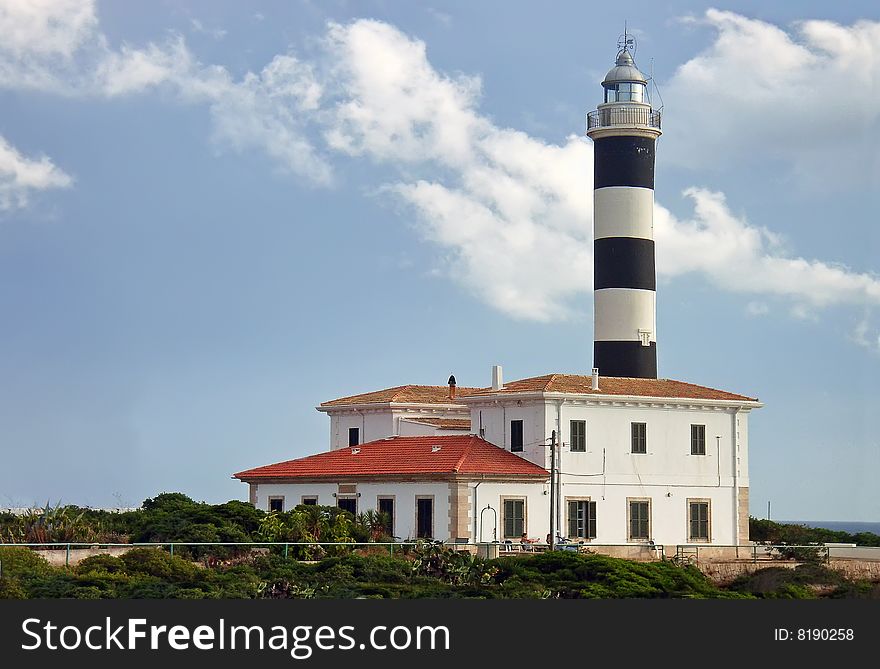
{"x": 623, "y": 116}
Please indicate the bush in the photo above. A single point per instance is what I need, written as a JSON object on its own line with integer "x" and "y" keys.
{"x": 802, "y": 582}
{"x": 100, "y": 563}
{"x": 159, "y": 563}
{"x": 10, "y": 588}
{"x": 570, "y": 575}
{"x": 19, "y": 561}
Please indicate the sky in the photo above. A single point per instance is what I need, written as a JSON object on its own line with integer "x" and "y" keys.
{"x": 216, "y": 215}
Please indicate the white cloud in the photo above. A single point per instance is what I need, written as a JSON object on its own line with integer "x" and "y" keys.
{"x": 46, "y": 27}
{"x": 442, "y": 18}
{"x": 266, "y": 111}
{"x": 809, "y": 96}
{"x": 21, "y": 176}
{"x": 866, "y": 334}
{"x": 394, "y": 104}
{"x": 742, "y": 258}
{"x": 199, "y": 27}
{"x": 756, "y": 309}
{"x": 511, "y": 213}
{"x": 510, "y": 207}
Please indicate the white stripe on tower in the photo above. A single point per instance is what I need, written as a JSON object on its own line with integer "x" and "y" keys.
{"x": 624, "y": 130}
{"x": 623, "y": 211}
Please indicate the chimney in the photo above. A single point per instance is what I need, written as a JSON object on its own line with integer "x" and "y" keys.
{"x": 595, "y": 378}
{"x": 451, "y": 387}
{"x": 497, "y": 377}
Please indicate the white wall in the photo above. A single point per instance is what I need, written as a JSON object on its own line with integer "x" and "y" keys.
{"x": 667, "y": 461}
{"x": 408, "y": 428}
{"x": 404, "y": 501}
{"x": 373, "y": 425}
{"x": 383, "y": 422}
{"x": 491, "y": 494}
{"x": 495, "y": 421}
{"x": 668, "y": 515}
{"x": 609, "y": 473}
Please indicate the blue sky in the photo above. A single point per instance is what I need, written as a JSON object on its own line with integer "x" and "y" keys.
{"x": 216, "y": 215}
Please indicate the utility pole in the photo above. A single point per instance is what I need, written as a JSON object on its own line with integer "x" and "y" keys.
{"x": 552, "y": 489}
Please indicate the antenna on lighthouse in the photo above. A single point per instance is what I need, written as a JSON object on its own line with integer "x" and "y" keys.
{"x": 626, "y": 42}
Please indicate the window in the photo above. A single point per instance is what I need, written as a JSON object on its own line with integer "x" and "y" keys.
{"x": 349, "y": 504}
{"x": 611, "y": 93}
{"x": 386, "y": 508}
{"x": 639, "y": 438}
{"x": 639, "y": 519}
{"x": 516, "y": 436}
{"x": 310, "y": 501}
{"x": 581, "y": 519}
{"x": 625, "y": 92}
{"x": 424, "y": 517}
{"x": 698, "y": 440}
{"x": 578, "y": 436}
{"x": 514, "y": 518}
{"x": 354, "y": 436}
{"x": 698, "y": 520}
{"x": 276, "y": 504}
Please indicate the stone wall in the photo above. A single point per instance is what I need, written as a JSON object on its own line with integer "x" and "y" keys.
{"x": 60, "y": 557}
{"x": 724, "y": 572}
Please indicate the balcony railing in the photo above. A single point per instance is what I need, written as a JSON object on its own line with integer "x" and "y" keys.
{"x": 623, "y": 116}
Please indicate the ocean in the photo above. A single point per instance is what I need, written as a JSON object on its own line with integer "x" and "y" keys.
{"x": 851, "y": 526}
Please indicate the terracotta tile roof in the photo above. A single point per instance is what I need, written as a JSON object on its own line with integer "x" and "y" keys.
{"x": 614, "y": 385}
{"x": 444, "y": 423}
{"x": 449, "y": 455}
{"x": 408, "y": 394}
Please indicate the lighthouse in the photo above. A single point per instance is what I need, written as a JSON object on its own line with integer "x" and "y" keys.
{"x": 624, "y": 130}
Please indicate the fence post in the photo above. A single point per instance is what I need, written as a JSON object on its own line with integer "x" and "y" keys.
{"x": 67, "y": 556}
{"x": 286, "y": 547}
{"x": 172, "y": 549}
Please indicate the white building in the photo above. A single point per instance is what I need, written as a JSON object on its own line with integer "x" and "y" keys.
{"x": 638, "y": 459}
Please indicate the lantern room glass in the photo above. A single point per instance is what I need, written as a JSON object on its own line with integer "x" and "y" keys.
{"x": 628, "y": 91}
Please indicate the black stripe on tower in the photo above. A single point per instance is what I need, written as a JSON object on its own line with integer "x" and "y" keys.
{"x": 624, "y": 262}
{"x": 625, "y": 358}
{"x": 623, "y": 161}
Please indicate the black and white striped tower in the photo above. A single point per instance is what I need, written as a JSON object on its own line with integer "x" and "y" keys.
{"x": 624, "y": 130}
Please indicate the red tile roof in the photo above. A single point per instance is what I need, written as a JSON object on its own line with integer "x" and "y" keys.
{"x": 443, "y": 423}
{"x": 548, "y": 383}
{"x": 615, "y": 385}
{"x": 408, "y": 394}
{"x": 403, "y": 456}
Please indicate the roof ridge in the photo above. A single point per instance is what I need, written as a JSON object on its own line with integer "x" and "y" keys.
{"x": 550, "y": 382}
{"x": 398, "y": 390}
{"x": 465, "y": 453}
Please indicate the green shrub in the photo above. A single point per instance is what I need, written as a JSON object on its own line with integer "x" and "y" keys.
{"x": 159, "y": 563}
{"x": 19, "y": 561}
{"x": 100, "y": 563}
{"x": 10, "y": 588}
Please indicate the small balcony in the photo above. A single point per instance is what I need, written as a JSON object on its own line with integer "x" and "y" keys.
{"x": 611, "y": 117}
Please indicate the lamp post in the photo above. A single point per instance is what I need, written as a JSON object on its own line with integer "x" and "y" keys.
{"x": 552, "y": 489}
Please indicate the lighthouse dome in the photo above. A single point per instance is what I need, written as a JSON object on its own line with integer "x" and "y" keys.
{"x": 624, "y": 70}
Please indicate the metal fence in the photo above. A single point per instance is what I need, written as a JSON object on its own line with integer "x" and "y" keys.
{"x": 683, "y": 553}
{"x": 623, "y": 116}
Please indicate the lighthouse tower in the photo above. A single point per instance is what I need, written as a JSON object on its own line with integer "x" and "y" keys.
{"x": 624, "y": 130}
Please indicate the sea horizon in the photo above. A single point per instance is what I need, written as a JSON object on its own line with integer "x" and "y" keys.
{"x": 851, "y": 526}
